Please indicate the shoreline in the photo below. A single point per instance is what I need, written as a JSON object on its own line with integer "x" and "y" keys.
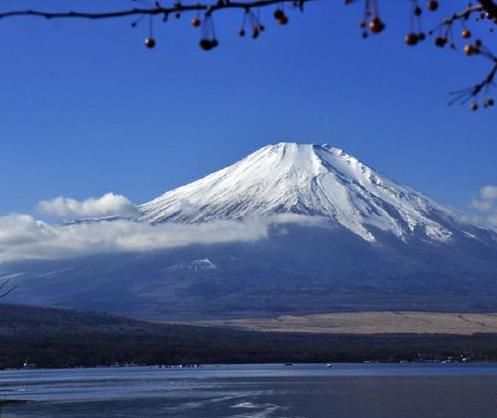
{"x": 441, "y": 363}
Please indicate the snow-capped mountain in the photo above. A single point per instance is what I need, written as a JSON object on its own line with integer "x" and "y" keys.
{"x": 367, "y": 243}
{"x": 305, "y": 179}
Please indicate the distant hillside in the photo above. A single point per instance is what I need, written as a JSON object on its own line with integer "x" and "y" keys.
{"x": 65, "y": 338}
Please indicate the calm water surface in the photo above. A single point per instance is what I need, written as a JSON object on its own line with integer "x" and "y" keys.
{"x": 256, "y": 391}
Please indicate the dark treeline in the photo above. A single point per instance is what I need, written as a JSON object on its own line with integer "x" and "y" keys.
{"x": 63, "y": 338}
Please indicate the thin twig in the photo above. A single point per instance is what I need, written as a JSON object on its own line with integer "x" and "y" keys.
{"x": 463, "y": 96}
{"x": 464, "y": 14}
{"x": 4, "y": 289}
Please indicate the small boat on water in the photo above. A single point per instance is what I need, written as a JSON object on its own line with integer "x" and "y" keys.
{"x": 28, "y": 365}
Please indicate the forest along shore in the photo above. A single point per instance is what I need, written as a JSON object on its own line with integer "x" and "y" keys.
{"x": 58, "y": 338}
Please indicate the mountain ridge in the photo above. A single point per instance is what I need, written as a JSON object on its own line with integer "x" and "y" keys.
{"x": 306, "y": 179}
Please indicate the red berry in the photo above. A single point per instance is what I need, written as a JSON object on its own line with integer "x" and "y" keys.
{"x": 411, "y": 39}
{"x": 470, "y": 49}
{"x": 278, "y": 14}
{"x": 432, "y": 5}
{"x": 150, "y": 42}
{"x": 206, "y": 44}
{"x": 441, "y": 41}
{"x": 376, "y": 25}
{"x": 196, "y": 22}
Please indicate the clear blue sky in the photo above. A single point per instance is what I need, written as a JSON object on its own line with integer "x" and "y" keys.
{"x": 85, "y": 109}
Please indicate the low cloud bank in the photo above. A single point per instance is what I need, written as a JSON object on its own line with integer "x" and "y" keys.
{"x": 486, "y": 204}
{"x": 109, "y": 204}
{"x": 22, "y": 237}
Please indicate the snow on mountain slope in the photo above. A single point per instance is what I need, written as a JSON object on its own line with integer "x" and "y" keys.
{"x": 306, "y": 179}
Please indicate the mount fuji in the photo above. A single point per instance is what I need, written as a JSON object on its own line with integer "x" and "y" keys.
{"x": 341, "y": 236}
{"x": 312, "y": 180}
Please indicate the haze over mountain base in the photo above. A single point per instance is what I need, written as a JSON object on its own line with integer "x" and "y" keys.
{"x": 304, "y": 270}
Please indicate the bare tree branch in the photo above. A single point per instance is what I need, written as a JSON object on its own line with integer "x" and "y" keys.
{"x": 464, "y": 14}
{"x": 5, "y": 289}
{"x": 465, "y": 95}
{"x": 156, "y": 9}
{"x": 371, "y": 23}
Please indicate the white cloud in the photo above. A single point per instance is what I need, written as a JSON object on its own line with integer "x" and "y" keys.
{"x": 109, "y": 204}
{"x": 23, "y": 237}
{"x": 18, "y": 230}
{"x": 492, "y": 219}
{"x": 482, "y": 205}
{"x": 489, "y": 192}
{"x": 486, "y": 205}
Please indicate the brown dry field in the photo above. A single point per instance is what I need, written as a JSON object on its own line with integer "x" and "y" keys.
{"x": 370, "y": 323}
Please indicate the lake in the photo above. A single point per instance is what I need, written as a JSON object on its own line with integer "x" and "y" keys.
{"x": 256, "y": 391}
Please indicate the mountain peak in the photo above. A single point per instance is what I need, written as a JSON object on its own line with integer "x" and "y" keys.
{"x": 305, "y": 179}
{"x": 297, "y": 147}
